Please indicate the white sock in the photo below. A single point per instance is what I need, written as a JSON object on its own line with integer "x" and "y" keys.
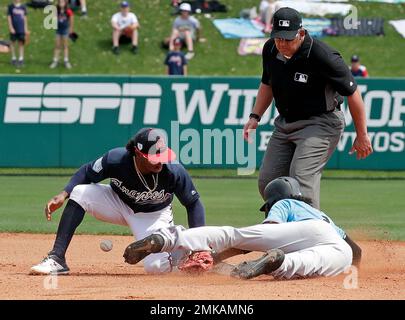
{"x": 66, "y": 59}
{"x": 84, "y": 9}
{"x": 21, "y": 58}
{"x": 13, "y": 57}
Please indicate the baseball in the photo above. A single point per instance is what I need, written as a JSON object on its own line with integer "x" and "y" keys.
{"x": 106, "y": 245}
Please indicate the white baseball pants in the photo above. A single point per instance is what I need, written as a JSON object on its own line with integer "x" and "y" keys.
{"x": 311, "y": 247}
{"x": 104, "y": 204}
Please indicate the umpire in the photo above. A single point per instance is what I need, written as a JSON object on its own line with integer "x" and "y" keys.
{"x": 307, "y": 80}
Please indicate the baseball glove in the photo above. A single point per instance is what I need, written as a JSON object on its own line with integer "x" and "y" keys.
{"x": 197, "y": 262}
{"x": 128, "y": 32}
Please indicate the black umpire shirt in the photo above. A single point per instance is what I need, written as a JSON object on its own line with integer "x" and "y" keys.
{"x": 312, "y": 82}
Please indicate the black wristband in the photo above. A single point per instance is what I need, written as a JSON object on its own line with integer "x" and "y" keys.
{"x": 255, "y": 116}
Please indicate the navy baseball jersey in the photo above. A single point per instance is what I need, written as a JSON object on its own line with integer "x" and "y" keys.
{"x": 118, "y": 165}
{"x": 176, "y": 61}
{"x": 17, "y": 14}
{"x": 63, "y": 19}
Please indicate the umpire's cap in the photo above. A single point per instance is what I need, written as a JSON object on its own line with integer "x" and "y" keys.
{"x": 286, "y": 23}
{"x": 279, "y": 189}
{"x": 150, "y": 144}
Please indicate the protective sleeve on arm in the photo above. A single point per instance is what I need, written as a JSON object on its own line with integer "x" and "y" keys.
{"x": 91, "y": 172}
{"x": 196, "y": 214}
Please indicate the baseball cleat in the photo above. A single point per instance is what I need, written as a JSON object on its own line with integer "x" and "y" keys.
{"x": 50, "y": 265}
{"x": 268, "y": 263}
{"x": 138, "y": 250}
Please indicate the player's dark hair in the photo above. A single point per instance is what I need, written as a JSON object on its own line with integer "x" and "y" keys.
{"x": 131, "y": 147}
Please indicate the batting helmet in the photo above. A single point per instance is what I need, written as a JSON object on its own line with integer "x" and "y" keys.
{"x": 279, "y": 189}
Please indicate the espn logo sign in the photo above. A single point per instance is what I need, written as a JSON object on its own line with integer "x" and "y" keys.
{"x": 70, "y": 102}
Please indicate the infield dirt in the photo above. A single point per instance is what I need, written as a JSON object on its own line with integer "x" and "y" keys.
{"x": 104, "y": 275}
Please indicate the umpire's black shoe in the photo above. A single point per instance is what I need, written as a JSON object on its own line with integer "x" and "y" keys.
{"x": 268, "y": 263}
{"x": 138, "y": 250}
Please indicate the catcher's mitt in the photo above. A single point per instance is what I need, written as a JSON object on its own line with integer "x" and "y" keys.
{"x": 197, "y": 262}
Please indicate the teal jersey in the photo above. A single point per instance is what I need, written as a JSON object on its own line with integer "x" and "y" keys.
{"x": 290, "y": 210}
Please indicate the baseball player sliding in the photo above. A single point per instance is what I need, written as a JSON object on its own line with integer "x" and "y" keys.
{"x": 140, "y": 195}
{"x": 299, "y": 240}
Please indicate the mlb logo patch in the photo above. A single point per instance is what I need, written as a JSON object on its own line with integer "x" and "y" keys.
{"x": 301, "y": 77}
{"x": 284, "y": 23}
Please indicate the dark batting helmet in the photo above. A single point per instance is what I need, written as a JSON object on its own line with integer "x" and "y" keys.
{"x": 279, "y": 189}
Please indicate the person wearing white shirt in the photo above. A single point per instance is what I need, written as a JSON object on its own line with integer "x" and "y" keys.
{"x": 125, "y": 23}
{"x": 187, "y": 28}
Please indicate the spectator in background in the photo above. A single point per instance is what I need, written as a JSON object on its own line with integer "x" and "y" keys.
{"x": 175, "y": 60}
{"x": 125, "y": 23}
{"x": 266, "y": 11}
{"x": 187, "y": 28}
{"x": 18, "y": 27}
{"x": 65, "y": 27}
{"x": 79, "y": 3}
{"x": 357, "y": 69}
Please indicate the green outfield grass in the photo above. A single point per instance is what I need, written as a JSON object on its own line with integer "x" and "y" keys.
{"x": 368, "y": 208}
{"x": 91, "y": 54}
{"x": 218, "y": 173}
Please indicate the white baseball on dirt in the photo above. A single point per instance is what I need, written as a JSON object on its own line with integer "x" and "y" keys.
{"x": 106, "y": 245}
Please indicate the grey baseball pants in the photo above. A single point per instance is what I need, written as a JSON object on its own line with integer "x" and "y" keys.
{"x": 301, "y": 150}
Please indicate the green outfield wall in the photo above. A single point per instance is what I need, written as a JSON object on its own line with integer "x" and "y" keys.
{"x": 64, "y": 121}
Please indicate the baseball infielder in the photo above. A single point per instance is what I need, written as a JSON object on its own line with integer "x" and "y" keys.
{"x": 302, "y": 240}
{"x": 140, "y": 195}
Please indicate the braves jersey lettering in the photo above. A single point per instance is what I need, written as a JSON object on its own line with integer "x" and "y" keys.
{"x": 176, "y": 59}
{"x": 144, "y": 196}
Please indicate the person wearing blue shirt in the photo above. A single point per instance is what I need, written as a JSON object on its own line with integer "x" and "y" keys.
{"x": 18, "y": 27}
{"x": 176, "y": 62}
{"x": 299, "y": 240}
{"x": 143, "y": 182}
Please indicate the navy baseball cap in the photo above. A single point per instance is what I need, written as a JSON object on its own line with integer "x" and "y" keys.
{"x": 355, "y": 58}
{"x": 150, "y": 143}
{"x": 286, "y": 23}
{"x": 124, "y": 4}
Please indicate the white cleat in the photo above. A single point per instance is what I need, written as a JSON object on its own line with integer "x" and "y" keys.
{"x": 50, "y": 265}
